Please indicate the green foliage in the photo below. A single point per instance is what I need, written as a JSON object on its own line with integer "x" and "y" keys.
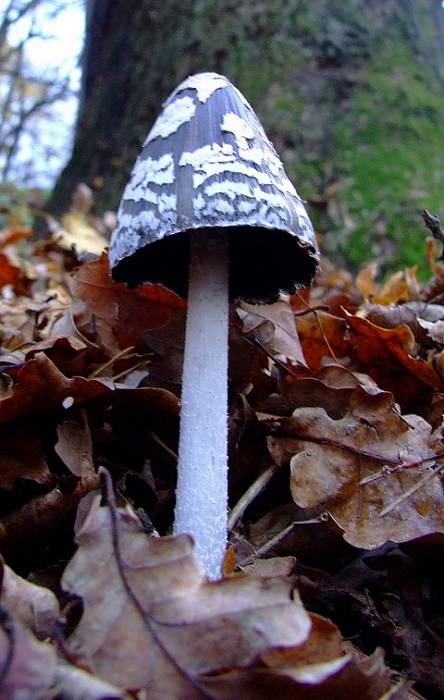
{"x": 351, "y": 100}
{"x": 391, "y": 157}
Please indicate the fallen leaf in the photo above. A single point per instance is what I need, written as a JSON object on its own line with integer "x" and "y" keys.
{"x": 10, "y": 274}
{"x": 32, "y": 666}
{"x": 435, "y": 329}
{"x": 386, "y": 354}
{"x": 329, "y": 458}
{"x": 74, "y": 446}
{"x": 76, "y": 684}
{"x": 40, "y": 387}
{"x": 122, "y": 316}
{"x": 410, "y": 314}
{"x": 400, "y": 286}
{"x": 274, "y": 327}
{"x": 13, "y": 234}
{"x": 322, "y": 335}
{"x": 76, "y": 232}
{"x": 22, "y": 454}
{"x": 342, "y": 678}
{"x": 366, "y": 280}
{"x": 36, "y": 607}
{"x": 181, "y": 625}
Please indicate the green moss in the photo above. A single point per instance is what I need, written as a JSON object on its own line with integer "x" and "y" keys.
{"x": 395, "y": 166}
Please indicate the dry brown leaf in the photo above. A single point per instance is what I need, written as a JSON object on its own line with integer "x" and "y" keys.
{"x": 122, "y": 315}
{"x": 342, "y": 678}
{"x": 386, "y": 355}
{"x": 248, "y": 366}
{"x": 400, "y": 286}
{"x": 74, "y": 446}
{"x": 36, "y": 607}
{"x": 32, "y": 668}
{"x": 323, "y": 644}
{"x": 435, "y": 329}
{"x": 40, "y": 387}
{"x": 322, "y": 335}
{"x": 308, "y": 391}
{"x": 10, "y": 274}
{"x": 366, "y": 280}
{"x": 275, "y": 566}
{"x": 181, "y": 626}
{"x": 22, "y": 455}
{"x": 76, "y": 684}
{"x": 12, "y": 234}
{"x": 76, "y": 232}
{"x": 274, "y": 327}
{"x": 411, "y": 314}
{"x": 329, "y": 458}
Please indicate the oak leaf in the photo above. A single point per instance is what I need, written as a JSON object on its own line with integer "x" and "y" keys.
{"x": 122, "y": 316}
{"x": 161, "y": 625}
{"x": 35, "y": 606}
{"x": 358, "y": 465}
{"x": 32, "y": 665}
{"x": 274, "y": 327}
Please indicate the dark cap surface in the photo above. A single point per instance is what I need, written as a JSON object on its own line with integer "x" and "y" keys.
{"x": 207, "y": 163}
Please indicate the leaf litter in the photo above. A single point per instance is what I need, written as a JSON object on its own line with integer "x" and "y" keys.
{"x": 331, "y": 586}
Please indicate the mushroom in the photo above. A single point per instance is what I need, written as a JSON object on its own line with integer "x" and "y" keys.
{"x": 210, "y": 213}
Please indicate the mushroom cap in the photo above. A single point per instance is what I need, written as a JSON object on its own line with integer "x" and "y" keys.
{"x": 207, "y": 163}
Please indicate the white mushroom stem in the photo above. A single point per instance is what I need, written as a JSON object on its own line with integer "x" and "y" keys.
{"x": 201, "y": 496}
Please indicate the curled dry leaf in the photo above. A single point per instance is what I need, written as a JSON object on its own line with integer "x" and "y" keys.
{"x": 35, "y": 606}
{"x": 322, "y": 335}
{"x": 411, "y": 314}
{"x": 161, "y": 624}
{"x": 342, "y": 678}
{"x": 127, "y": 313}
{"x": 274, "y": 327}
{"x": 74, "y": 446}
{"x": 435, "y": 329}
{"x": 330, "y": 457}
{"x": 76, "y": 684}
{"x": 77, "y": 233}
{"x": 389, "y": 349}
{"x": 400, "y": 286}
{"x": 10, "y": 274}
{"x": 30, "y": 664}
{"x": 307, "y": 392}
{"x": 40, "y": 387}
{"x": 22, "y": 455}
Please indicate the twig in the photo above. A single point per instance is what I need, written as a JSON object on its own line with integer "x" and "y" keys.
{"x": 110, "y": 362}
{"x": 419, "y": 485}
{"x": 250, "y": 494}
{"x": 268, "y": 546}
{"x": 279, "y": 363}
{"x": 313, "y": 309}
{"x": 386, "y": 470}
{"x": 155, "y": 438}
{"x": 121, "y": 374}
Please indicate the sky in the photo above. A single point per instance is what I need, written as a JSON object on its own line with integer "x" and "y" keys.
{"x": 56, "y": 52}
{"x": 49, "y": 149}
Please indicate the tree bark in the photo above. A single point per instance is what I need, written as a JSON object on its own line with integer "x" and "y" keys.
{"x": 333, "y": 81}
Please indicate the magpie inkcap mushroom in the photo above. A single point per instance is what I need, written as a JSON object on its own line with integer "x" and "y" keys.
{"x": 210, "y": 213}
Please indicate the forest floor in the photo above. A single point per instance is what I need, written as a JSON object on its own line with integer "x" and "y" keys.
{"x": 333, "y": 577}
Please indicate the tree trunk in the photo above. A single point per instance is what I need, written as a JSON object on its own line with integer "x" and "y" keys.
{"x": 350, "y": 91}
